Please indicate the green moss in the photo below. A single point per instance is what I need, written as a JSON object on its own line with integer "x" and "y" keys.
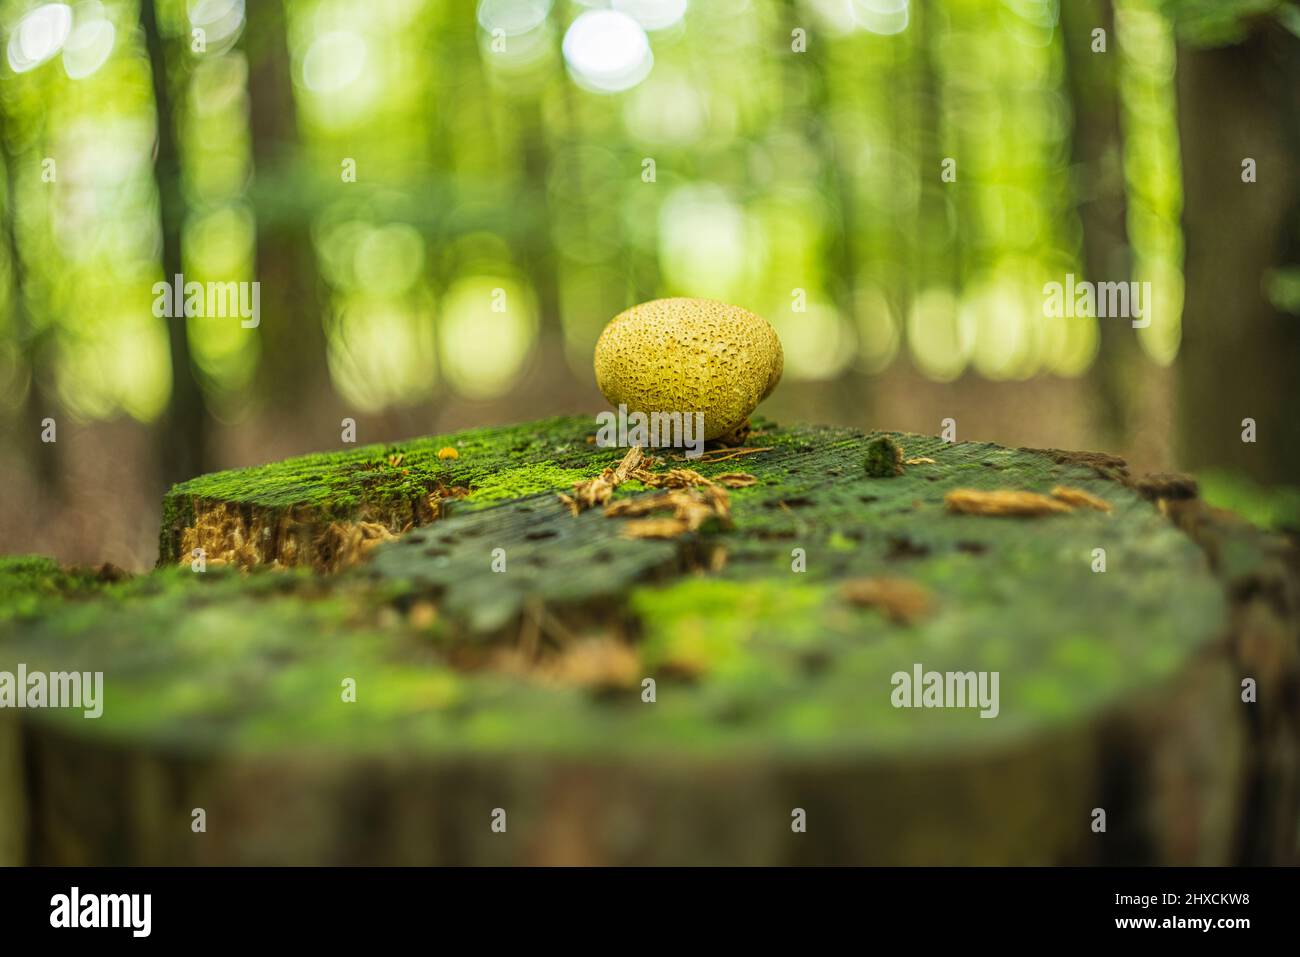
{"x": 748, "y": 653}
{"x": 377, "y": 479}
{"x": 884, "y": 458}
{"x": 704, "y": 625}
{"x": 30, "y": 582}
{"x": 528, "y": 480}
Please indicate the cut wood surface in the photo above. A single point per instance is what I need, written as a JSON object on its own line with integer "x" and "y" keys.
{"x": 500, "y": 646}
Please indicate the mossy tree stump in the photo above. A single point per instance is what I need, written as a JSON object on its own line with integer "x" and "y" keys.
{"x": 500, "y": 645}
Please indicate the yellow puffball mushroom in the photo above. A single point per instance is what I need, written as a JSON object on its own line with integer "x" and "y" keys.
{"x": 690, "y": 355}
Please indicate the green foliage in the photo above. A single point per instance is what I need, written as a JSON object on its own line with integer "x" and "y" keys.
{"x": 776, "y": 171}
{"x": 1276, "y": 507}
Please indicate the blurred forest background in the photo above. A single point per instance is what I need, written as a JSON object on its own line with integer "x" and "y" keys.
{"x": 585, "y": 156}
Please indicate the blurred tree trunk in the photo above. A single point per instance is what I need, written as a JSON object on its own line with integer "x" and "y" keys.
{"x": 1092, "y": 83}
{"x": 540, "y": 260}
{"x": 938, "y": 260}
{"x": 1240, "y": 353}
{"x": 184, "y": 428}
{"x": 293, "y": 367}
{"x": 813, "y": 72}
{"x": 42, "y": 456}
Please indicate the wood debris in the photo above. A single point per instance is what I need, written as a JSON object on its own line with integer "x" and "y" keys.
{"x": 547, "y": 651}
{"x": 630, "y": 507}
{"x": 1078, "y": 498}
{"x": 692, "y": 498}
{"x": 597, "y": 491}
{"x": 654, "y": 528}
{"x": 635, "y": 461}
{"x": 595, "y": 663}
{"x": 901, "y": 600}
{"x": 968, "y": 501}
{"x": 341, "y": 545}
{"x": 435, "y": 502}
{"x": 736, "y": 480}
{"x": 690, "y": 507}
{"x": 720, "y": 455}
{"x": 673, "y": 478}
{"x": 920, "y": 460}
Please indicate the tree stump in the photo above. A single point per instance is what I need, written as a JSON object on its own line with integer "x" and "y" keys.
{"x": 387, "y": 655}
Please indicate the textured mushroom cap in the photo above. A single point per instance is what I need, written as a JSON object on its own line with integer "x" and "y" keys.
{"x": 689, "y": 355}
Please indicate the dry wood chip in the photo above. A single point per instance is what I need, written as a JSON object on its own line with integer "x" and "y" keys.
{"x": 634, "y": 460}
{"x": 638, "y": 506}
{"x": 691, "y": 508}
{"x": 654, "y": 528}
{"x": 901, "y": 600}
{"x": 736, "y": 480}
{"x": 921, "y": 460}
{"x": 691, "y": 497}
{"x": 673, "y": 478}
{"x": 969, "y": 501}
{"x": 1078, "y": 498}
{"x": 696, "y": 511}
{"x": 592, "y": 492}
